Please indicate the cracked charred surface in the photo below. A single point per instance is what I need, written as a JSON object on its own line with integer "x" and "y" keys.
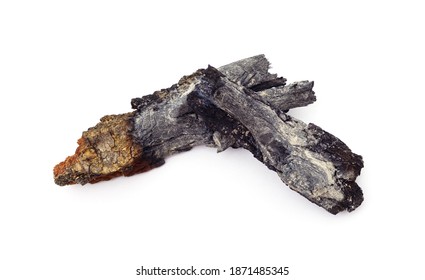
{"x": 104, "y": 152}
{"x": 308, "y": 159}
{"x": 240, "y": 105}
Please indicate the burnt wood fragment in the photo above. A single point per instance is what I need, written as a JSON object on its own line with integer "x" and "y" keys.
{"x": 239, "y": 105}
{"x": 308, "y": 159}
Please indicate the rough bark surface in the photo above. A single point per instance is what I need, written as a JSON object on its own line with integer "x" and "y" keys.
{"x": 239, "y": 105}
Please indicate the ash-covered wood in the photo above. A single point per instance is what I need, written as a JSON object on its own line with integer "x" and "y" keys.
{"x": 239, "y": 105}
{"x": 309, "y": 160}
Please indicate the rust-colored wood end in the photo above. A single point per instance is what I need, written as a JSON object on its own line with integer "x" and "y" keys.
{"x": 104, "y": 151}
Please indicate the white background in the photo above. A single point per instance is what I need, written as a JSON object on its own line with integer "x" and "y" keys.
{"x": 65, "y": 64}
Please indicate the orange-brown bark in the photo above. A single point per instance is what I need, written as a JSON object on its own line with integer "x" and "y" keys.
{"x": 104, "y": 152}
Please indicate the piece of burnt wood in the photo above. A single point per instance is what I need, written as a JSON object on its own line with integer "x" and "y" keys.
{"x": 308, "y": 159}
{"x": 241, "y": 105}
